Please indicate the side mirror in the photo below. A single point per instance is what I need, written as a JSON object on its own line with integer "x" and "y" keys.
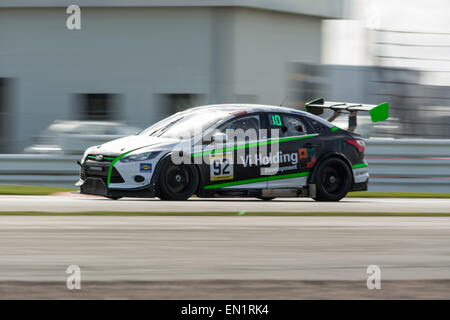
{"x": 219, "y": 136}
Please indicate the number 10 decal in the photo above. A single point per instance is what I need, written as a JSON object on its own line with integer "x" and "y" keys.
{"x": 276, "y": 120}
{"x": 221, "y": 166}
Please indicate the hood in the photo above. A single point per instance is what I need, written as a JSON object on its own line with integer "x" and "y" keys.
{"x": 130, "y": 143}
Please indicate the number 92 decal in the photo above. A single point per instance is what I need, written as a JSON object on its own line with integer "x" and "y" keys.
{"x": 221, "y": 166}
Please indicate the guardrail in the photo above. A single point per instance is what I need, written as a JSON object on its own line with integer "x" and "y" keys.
{"x": 409, "y": 165}
{"x": 394, "y": 165}
{"x": 44, "y": 170}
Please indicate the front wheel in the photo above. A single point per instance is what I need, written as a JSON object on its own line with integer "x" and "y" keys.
{"x": 333, "y": 180}
{"x": 177, "y": 182}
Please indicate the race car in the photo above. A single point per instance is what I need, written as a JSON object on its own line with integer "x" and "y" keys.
{"x": 235, "y": 150}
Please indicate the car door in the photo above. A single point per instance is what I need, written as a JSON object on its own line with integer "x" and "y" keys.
{"x": 236, "y": 164}
{"x": 298, "y": 147}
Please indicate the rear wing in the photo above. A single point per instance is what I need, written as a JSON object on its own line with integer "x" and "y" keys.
{"x": 377, "y": 112}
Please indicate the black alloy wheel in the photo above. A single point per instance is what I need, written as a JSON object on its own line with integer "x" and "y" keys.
{"x": 177, "y": 182}
{"x": 333, "y": 180}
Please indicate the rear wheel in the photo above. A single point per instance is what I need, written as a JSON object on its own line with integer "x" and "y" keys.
{"x": 333, "y": 180}
{"x": 177, "y": 182}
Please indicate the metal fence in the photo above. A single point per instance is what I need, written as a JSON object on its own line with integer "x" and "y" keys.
{"x": 394, "y": 165}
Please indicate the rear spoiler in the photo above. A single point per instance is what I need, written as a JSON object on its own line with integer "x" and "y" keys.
{"x": 377, "y": 112}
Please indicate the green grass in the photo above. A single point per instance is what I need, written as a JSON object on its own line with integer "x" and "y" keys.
{"x": 225, "y": 213}
{"x": 31, "y": 190}
{"x": 398, "y": 195}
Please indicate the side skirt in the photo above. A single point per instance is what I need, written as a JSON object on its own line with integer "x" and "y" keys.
{"x": 249, "y": 193}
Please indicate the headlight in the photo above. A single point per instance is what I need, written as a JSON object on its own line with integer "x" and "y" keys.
{"x": 88, "y": 150}
{"x": 139, "y": 157}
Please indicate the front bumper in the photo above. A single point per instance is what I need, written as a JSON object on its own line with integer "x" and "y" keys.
{"x": 361, "y": 186}
{"x": 97, "y": 186}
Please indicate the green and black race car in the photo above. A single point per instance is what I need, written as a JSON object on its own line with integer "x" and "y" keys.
{"x": 239, "y": 150}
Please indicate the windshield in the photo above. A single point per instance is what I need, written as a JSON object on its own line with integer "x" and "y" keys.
{"x": 184, "y": 126}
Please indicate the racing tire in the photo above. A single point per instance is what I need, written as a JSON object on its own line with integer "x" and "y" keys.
{"x": 177, "y": 182}
{"x": 333, "y": 180}
{"x": 114, "y": 198}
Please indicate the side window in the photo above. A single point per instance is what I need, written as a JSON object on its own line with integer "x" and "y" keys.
{"x": 318, "y": 126}
{"x": 289, "y": 125}
{"x": 248, "y": 124}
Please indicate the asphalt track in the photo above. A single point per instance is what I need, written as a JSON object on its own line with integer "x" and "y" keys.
{"x": 223, "y": 257}
{"x": 78, "y": 203}
{"x": 200, "y": 248}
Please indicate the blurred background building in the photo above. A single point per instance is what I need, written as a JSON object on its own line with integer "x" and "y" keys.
{"x": 141, "y": 60}
{"x": 395, "y": 51}
{"x": 138, "y": 61}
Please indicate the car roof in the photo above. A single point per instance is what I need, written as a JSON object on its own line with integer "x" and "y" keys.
{"x": 239, "y": 107}
{"x": 236, "y": 107}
